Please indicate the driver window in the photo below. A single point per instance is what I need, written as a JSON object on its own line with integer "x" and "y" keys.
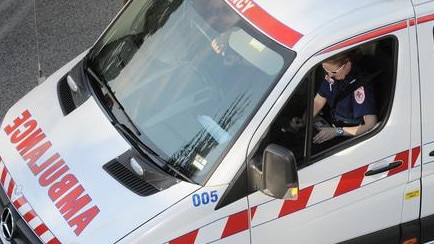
{"x": 340, "y": 102}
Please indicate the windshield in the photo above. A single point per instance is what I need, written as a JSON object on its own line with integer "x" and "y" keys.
{"x": 189, "y": 74}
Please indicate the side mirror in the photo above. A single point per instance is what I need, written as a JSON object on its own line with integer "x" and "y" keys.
{"x": 279, "y": 173}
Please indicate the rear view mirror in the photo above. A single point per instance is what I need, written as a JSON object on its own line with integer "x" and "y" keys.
{"x": 257, "y": 53}
{"x": 279, "y": 173}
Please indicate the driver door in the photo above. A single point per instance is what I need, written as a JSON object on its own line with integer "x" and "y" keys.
{"x": 351, "y": 189}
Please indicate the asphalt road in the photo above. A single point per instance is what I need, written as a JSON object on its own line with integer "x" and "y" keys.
{"x": 45, "y": 34}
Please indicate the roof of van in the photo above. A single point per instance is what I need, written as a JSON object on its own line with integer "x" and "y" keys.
{"x": 296, "y": 23}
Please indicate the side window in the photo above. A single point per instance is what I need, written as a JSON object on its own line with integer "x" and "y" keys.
{"x": 342, "y": 101}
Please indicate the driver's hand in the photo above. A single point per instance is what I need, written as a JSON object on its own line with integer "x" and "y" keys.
{"x": 325, "y": 134}
{"x": 219, "y": 43}
{"x": 297, "y": 123}
{"x": 218, "y": 46}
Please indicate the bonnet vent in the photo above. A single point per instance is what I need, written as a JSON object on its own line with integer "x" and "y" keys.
{"x": 73, "y": 89}
{"x": 129, "y": 179}
{"x": 65, "y": 97}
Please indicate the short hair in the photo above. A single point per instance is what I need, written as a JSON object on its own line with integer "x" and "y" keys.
{"x": 339, "y": 59}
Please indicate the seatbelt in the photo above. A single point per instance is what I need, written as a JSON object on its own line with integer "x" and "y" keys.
{"x": 360, "y": 81}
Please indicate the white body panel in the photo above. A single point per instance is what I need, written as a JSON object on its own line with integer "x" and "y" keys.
{"x": 337, "y": 200}
{"x": 426, "y": 57}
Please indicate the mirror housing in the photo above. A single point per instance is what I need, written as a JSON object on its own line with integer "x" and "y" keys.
{"x": 279, "y": 173}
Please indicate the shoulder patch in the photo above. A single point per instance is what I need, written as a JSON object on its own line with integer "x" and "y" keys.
{"x": 359, "y": 95}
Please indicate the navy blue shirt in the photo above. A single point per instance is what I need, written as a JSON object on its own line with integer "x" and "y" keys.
{"x": 355, "y": 105}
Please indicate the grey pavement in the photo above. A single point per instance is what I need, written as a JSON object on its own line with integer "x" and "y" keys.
{"x": 45, "y": 32}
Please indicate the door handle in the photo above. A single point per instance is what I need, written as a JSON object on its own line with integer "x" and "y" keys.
{"x": 392, "y": 165}
{"x": 431, "y": 154}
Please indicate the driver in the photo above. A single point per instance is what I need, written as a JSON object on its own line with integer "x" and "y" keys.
{"x": 352, "y": 112}
{"x": 223, "y": 19}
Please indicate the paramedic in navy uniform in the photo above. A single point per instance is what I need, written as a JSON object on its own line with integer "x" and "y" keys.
{"x": 352, "y": 114}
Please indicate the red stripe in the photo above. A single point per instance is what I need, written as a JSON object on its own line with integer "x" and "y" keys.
{"x": 20, "y": 202}
{"x": 402, "y": 156}
{"x": 414, "y": 155}
{"x": 41, "y": 229}
{"x": 230, "y": 228}
{"x": 186, "y": 239}
{"x": 253, "y": 211}
{"x": 54, "y": 241}
{"x": 3, "y": 177}
{"x": 351, "y": 181}
{"x": 11, "y": 188}
{"x": 236, "y": 223}
{"x": 268, "y": 24}
{"x": 291, "y": 206}
{"x": 425, "y": 19}
{"x": 412, "y": 22}
{"x": 30, "y": 215}
{"x": 367, "y": 36}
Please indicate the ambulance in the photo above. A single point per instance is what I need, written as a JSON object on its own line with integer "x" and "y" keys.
{"x": 170, "y": 129}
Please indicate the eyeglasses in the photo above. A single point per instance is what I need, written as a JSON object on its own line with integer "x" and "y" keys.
{"x": 336, "y": 71}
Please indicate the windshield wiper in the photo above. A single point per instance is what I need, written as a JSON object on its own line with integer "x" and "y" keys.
{"x": 171, "y": 167}
{"x": 150, "y": 153}
{"x": 114, "y": 98}
{"x": 155, "y": 157}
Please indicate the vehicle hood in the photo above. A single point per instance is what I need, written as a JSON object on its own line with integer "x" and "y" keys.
{"x": 52, "y": 167}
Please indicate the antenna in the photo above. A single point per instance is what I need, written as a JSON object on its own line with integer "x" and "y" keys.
{"x": 40, "y": 77}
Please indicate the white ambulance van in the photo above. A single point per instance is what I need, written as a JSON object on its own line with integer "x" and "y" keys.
{"x": 171, "y": 129}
